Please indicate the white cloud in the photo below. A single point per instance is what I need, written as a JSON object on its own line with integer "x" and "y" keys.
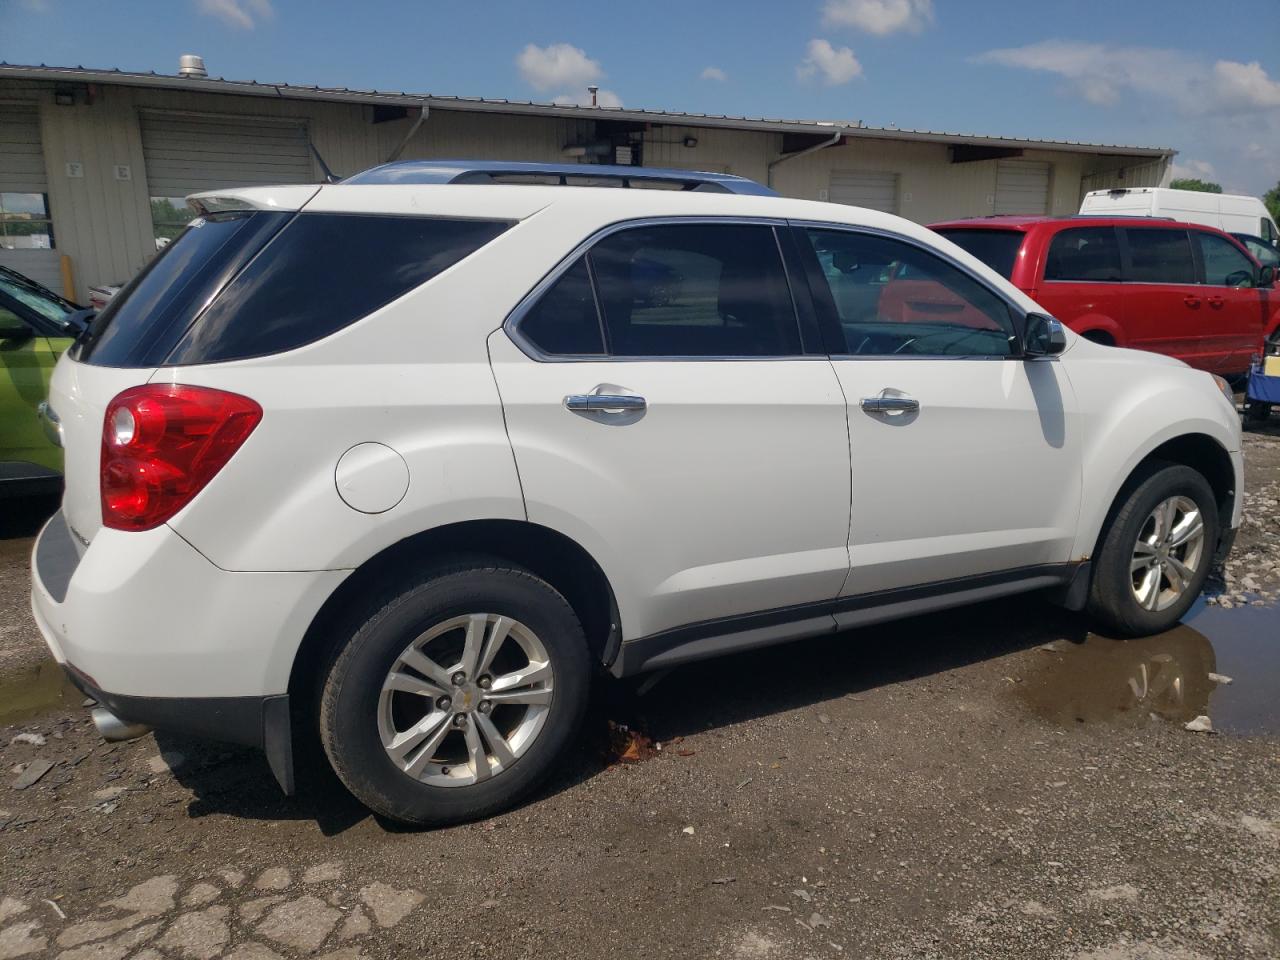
{"x": 836, "y": 66}
{"x": 605, "y": 98}
{"x": 557, "y": 66}
{"x": 35, "y": 6}
{"x": 1247, "y": 84}
{"x": 238, "y": 13}
{"x": 881, "y": 17}
{"x": 713, "y": 73}
{"x": 1193, "y": 170}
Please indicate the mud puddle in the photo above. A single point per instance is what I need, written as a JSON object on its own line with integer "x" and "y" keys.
{"x": 1223, "y": 664}
{"x": 34, "y": 690}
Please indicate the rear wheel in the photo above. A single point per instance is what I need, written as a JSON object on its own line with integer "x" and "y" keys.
{"x": 1155, "y": 554}
{"x": 458, "y": 697}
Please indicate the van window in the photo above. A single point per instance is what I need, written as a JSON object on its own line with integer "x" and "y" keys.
{"x": 1224, "y": 264}
{"x": 695, "y": 290}
{"x": 1084, "y": 253}
{"x": 1159, "y": 256}
{"x": 1269, "y": 231}
{"x": 998, "y": 249}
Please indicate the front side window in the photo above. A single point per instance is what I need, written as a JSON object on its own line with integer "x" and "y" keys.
{"x": 1159, "y": 256}
{"x": 894, "y": 298}
{"x": 695, "y": 290}
{"x": 25, "y": 223}
{"x": 1084, "y": 253}
{"x": 1224, "y": 264}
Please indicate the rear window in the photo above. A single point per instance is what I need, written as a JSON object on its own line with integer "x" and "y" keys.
{"x": 274, "y": 285}
{"x": 998, "y": 249}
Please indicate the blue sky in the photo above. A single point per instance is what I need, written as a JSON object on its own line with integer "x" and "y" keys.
{"x": 1202, "y": 78}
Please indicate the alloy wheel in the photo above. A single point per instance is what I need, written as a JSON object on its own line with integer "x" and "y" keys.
{"x": 1167, "y": 553}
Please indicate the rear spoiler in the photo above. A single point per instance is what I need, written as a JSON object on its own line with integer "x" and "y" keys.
{"x": 285, "y": 198}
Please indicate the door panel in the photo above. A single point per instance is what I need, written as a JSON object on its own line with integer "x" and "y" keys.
{"x": 965, "y": 459}
{"x": 1237, "y": 311}
{"x": 727, "y": 494}
{"x": 984, "y": 477}
{"x": 25, "y": 365}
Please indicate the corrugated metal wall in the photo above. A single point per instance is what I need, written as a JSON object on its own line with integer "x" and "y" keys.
{"x": 102, "y": 219}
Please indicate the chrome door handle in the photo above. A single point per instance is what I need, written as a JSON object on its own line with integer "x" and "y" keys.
{"x": 50, "y": 423}
{"x": 889, "y": 404}
{"x": 605, "y": 402}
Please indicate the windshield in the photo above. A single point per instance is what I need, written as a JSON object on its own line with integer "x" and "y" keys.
{"x": 44, "y": 302}
{"x": 998, "y": 249}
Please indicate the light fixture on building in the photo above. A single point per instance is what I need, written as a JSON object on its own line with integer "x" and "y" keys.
{"x": 64, "y": 97}
{"x": 593, "y": 90}
{"x": 690, "y": 142}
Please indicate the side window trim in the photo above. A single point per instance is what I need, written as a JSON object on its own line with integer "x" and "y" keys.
{"x": 511, "y": 325}
{"x": 831, "y": 322}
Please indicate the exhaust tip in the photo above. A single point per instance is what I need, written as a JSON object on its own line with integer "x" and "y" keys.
{"x": 112, "y": 729}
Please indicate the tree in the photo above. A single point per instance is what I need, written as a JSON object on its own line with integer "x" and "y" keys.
{"x": 1272, "y": 199}
{"x": 1194, "y": 183}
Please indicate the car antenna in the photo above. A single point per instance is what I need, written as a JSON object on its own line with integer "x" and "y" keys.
{"x": 329, "y": 175}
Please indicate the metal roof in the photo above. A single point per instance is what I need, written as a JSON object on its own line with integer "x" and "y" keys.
{"x": 851, "y": 128}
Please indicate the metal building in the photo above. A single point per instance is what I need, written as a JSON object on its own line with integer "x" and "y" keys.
{"x": 94, "y": 163}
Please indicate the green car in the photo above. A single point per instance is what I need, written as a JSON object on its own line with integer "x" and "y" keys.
{"x": 36, "y": 325}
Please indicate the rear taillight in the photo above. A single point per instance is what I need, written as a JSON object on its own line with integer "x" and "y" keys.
{"x": 161, "y": 444}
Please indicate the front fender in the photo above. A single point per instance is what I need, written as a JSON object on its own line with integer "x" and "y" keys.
{"x": 1125, "y": 417}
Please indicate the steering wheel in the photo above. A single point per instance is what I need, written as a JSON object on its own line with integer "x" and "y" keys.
{"x": 1241, "y": 278}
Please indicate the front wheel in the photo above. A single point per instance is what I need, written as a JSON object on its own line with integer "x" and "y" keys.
{"x": 458, "y": 697}
{"x": 1155, "y": 554}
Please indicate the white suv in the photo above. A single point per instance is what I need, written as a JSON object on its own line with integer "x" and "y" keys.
{"x": 401, "y": 463}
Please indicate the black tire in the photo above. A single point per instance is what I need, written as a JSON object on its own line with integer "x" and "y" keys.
{"x": 1256, "y": 412}
{"x": 1111, "y": 598}
{"x": 348, "y": 707}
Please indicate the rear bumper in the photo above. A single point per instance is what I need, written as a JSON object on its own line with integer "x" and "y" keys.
{"x": 158, "y": 635}
{"x": 261, "y": 722}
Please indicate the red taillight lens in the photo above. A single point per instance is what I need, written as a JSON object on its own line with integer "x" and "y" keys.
{"x": 161, "y": 444}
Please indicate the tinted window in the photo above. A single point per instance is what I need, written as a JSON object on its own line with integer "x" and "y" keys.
{"x": 565, "y": 321}
{"x": 1160, "y": 256}
{"x": 1224, "y": 264}
{"x": 892, "y": 297}
{"x": 323, "y": 272}
{"x": 998, "y": 249}
{"x": 695, "y": 290}
{"x": 144, "y": 320}
{"x": 1084, "y": 253}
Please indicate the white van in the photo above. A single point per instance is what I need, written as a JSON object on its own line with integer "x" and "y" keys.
{"x": 1234, "y": 214}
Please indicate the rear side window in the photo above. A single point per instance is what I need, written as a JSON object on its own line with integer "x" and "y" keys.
{"x": 1224, "y": 264}
{"x": 565, "y": 321}
{"x": 323, "y": 272}
{"x": 1084, "y": 253}
{"x": 998, "y": 249}
{"x": 679, "y": 290}
{"x": 1160, "y": 256}
{"x": 695, "y": 290}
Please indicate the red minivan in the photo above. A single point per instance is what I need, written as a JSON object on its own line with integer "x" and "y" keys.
{"x": 1185, "y": 290}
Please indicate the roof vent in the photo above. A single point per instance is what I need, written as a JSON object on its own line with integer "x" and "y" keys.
{"x": 190, "y": 65}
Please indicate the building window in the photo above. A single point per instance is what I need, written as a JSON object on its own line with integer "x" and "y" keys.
{"x": 24, "y": 222}
{"x": 169, "y": 216}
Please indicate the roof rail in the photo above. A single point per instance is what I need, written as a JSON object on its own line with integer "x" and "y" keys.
{"x": 497, "y": 171}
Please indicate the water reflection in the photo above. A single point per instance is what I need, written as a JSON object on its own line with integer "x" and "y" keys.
{"x": 1221, "y": 663}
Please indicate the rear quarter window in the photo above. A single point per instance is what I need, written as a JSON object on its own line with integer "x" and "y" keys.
{"x": 998, "y": 249}
{"x": 323, "y": 272}
{"x": 1084, "y": 254}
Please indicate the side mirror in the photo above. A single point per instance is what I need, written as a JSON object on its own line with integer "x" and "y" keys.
{"x": 1267, "y": 276}
{"x": 11, "y": 328}
{"x": 1044, "y": 336}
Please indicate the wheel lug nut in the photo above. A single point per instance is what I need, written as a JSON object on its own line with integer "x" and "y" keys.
{"x": 460, "y": 721}
{"x": 459, "y": 678}
{"x": 444, "y": 703}
{"x": 485, "y": 682}
{"x": 485, "y": 706}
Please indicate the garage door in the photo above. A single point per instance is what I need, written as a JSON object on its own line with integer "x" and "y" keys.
{"x": 26, "y": 229}
{"x": 875, "y": 191}
{"x": 188, "y": 153}
{"x": 1022, "y": 186}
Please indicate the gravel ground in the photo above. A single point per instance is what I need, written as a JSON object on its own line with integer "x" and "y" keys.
{"x": 992, "y": 782}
